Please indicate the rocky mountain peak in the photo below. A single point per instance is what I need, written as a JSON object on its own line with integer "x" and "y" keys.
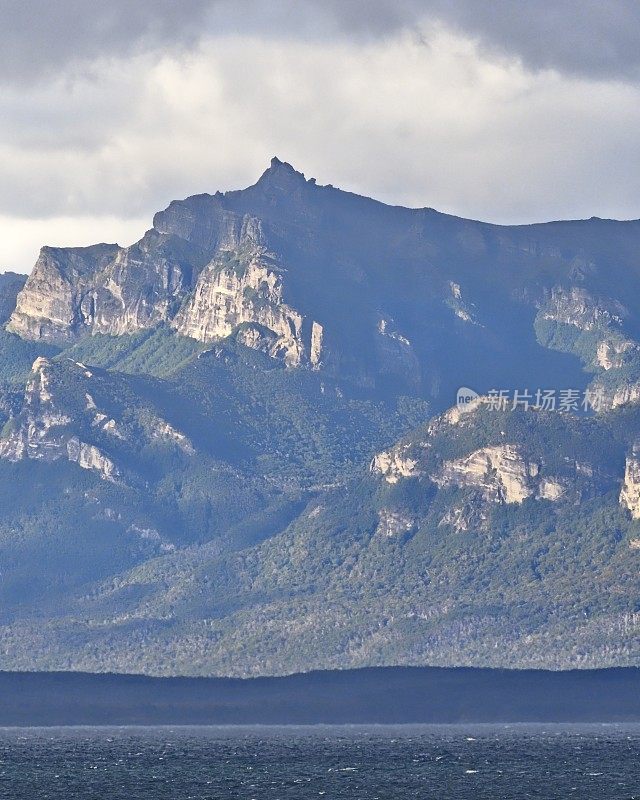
{"x": 281, "y": 172}
{"x": 382, "y": 296}
{"x": 283, "y": 185}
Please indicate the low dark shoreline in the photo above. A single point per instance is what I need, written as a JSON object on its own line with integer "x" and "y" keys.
{"x": 376, "y": 695}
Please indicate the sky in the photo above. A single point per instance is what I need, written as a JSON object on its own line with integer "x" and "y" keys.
{"x": 504, "y": 111}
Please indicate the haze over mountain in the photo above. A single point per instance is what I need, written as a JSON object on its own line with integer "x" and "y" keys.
{"x": 229, "y": 448}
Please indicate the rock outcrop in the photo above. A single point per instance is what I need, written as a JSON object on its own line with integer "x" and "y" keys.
{"x": 395, "y": 464}
{"x": 501, "y": 474}
{"x": 60, "y": 419}
{"x": 510, "y": 468}
{"x": 43, "y": 431}
{"x": 55, "y": 302}
{"x": 88, "y": 456}
{"x": 242, "y": 288}
{"x": 394, "y": 523}
{"x": 594, "y": 329}
{"x": 164, "y": 431}
{"x": 611, "y": 353}
{"x": 203, "y": 277}
{"x": 575, "y": 306}
{"x": 630, "y": 492}
{"x": 621, "y": 393}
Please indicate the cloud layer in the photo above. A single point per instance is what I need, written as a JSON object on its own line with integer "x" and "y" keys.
{"x": 503, "y": 111}
{"x": 582, "y": 37}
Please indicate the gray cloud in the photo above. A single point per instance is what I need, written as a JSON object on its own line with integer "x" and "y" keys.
{"x": 582, "y": 37}
{"x": 38, "y": 38}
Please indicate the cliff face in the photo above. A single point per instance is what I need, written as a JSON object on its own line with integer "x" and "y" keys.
{"x": 52, "y": 305}
{"x": 204, "y": 277}
{"x": 59, "y": 418}
{"x": 596, "y": 329}
{"x": 502, "y": 474}
{"x": 241, "y": 290}
{"x": 403, "y": 300}
{"x": 44, "y": 430}
{"x": 630, "y": 492}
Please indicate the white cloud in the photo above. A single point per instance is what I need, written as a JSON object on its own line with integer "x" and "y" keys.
{"x": 442, "y": 124}
{"x": 22, "y": 238}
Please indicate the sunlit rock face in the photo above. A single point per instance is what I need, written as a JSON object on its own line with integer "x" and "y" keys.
{"x": 236, "y": 290}
{"x": 205, "y": 286}
{"x": 440, "y": 466}
{"x": 395, "y": 464}
{"x": 630, "y": 492}
{"x": 43, "y": 431}
{"x": 102, "y": 289}
{"x": 59, "y": 419}
{"x": 503, "y": 474}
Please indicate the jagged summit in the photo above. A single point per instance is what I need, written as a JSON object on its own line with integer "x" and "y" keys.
{"x": 282, "y": 174}
{"x": 277, "y": 165}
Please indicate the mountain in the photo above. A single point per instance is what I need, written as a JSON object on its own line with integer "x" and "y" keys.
{"x": 229, "y": 449}
{"x": 381, "y": 296}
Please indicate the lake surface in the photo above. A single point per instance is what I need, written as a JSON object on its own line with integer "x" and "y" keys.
{"x": 496, "y": 762}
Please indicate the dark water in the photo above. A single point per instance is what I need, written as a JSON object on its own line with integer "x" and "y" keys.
{"x": 439, "y": 762}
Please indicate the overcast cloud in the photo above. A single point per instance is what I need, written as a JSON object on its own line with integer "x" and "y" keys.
{"x": 502, "y": 110}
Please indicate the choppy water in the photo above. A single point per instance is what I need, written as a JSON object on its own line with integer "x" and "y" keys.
{"x": 439, "y": 762}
